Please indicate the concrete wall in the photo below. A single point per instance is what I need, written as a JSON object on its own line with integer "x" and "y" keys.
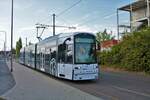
{"x": 138, "y": 14}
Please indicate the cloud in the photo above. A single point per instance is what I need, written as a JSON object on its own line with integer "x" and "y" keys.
{"x": 31, "y": 28}
{"x": 87, "y": 17}
{"x": 22, "y": 5}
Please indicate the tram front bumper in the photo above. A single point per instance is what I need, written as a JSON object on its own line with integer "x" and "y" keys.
{"x": 85, "y": 75}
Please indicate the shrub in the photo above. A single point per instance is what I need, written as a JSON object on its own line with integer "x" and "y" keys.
{"x": 133, "y": 52}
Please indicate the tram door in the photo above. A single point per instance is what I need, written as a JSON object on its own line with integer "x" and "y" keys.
{"x": 42, "y": 56}
{"x": 53, "y": 64}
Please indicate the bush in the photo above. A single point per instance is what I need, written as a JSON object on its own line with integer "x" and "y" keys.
{"x": 133, "y": 53}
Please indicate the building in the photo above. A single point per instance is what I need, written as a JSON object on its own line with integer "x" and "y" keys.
{"x": 106, "y": 45}
{"x": 139, "y": 15}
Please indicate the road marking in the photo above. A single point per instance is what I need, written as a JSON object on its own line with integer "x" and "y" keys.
{"x": 132, "y": 91}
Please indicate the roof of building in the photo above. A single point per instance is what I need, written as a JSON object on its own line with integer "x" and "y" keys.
{"x": 135, "y": 5}
{"x": 109, "y": 43}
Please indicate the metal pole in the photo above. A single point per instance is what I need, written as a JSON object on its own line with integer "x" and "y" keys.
{"x": 26, "y": 41}
{"x": 148, "y": 13}
{"x": 118, "y": 23}
{"x": 54, "y": 24}
{"x": 11, "y": 37}
{"x": 5, "y": 45}
{"x": 131, "y": 20}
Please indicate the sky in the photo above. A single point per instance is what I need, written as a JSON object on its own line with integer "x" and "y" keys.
{"x": 88, "y": 16}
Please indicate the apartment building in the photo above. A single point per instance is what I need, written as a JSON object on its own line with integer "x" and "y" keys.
{"x": 139, "y": 14}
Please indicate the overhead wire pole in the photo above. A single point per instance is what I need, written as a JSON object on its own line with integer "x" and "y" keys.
{"x": 26, "y": 41}
{"x": 54, "y": 24}
{"x": 12, "y": 35}
{"x": 118, "y": 23}
{"x": 131, "y": 18}
{"x": 5, "y": 44}
{"x": 148, "y": 12}
{"x": 44, "y": 26}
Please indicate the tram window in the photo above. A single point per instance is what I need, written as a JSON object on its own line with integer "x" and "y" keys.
{"x": 47, "y": 54}
{"x": 61, "y": 53}
{"x": 69, "y": 54}
{"x": 65, "y": 53}
{"x": 53, "y": 53}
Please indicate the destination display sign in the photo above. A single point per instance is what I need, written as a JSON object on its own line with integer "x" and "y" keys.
{"x": 84, "y": 40}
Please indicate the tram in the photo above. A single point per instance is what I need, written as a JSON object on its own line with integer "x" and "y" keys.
{"x": 67, "y": 55}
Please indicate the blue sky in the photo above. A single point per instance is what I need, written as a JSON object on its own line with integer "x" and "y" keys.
{"x": 88, "y": 15}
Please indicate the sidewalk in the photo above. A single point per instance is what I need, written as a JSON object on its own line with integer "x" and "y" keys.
{"x": 32, "y": 85}
{"x": 6, "y": 78}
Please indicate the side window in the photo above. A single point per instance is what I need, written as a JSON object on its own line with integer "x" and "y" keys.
{"x": 47, "y": 56}
{"x": 53, "y": 57}
{"x": 65, "y": 51}
{"x": 69, "y": 53}
{"x": 38, "y": 56}
{"x": 53, "y": 53}
{"x": 61, "y": 53}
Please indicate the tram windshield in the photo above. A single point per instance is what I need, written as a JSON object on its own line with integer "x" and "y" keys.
{"x": 85, "y": 49}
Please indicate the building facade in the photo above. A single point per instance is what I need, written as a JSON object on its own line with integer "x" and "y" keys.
{"x": 139, "y": 14}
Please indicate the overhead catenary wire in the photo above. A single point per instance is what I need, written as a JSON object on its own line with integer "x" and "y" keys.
{"x": 64, "y": 11}
{"x": 105, "y": 17}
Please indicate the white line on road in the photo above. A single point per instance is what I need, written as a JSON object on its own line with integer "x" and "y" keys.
{"x": 132, "y": 91}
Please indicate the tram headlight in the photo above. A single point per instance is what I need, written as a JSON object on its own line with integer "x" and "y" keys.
{"x": 77, "y": 67}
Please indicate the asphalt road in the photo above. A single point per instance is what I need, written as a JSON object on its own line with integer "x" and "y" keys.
{"x": 110, "y": 86}
{"x": 116, "y": 86}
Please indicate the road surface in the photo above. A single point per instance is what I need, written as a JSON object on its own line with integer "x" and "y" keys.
{"x": 116, "y": 86}
{"x": 32, "y": 85}
{"x": 110, "y": 86}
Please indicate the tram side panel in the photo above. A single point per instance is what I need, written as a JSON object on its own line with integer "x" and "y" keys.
{"x": 46, "y": 58}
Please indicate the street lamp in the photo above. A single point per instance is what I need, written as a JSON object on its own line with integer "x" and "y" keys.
{"x": 11, "y": 35}
{"x": 5, "y": 42}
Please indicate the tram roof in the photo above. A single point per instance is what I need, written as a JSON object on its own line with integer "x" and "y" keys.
{"x": 65, "y": 35}
{"x": 58, "y": 36}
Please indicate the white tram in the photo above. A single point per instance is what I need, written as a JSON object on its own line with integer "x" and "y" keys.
{"x": 67, "y": 55}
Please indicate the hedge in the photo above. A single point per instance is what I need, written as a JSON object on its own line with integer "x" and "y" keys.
{"x": 132, "y": 53}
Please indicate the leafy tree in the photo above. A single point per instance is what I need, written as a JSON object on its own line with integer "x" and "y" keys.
{"x": 18, "y": 47}
{"x": 13, "y": 51}
{"x": 104, "y": 36}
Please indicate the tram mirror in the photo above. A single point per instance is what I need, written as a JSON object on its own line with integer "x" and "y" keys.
{"x": 68, "y": 39}
{"x": 64, "y": 44}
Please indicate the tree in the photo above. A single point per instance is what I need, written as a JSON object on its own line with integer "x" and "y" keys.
{"x": 13, "y": 51}
{"x": 103, "y": 36}
{"x": 18, "y": 47}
